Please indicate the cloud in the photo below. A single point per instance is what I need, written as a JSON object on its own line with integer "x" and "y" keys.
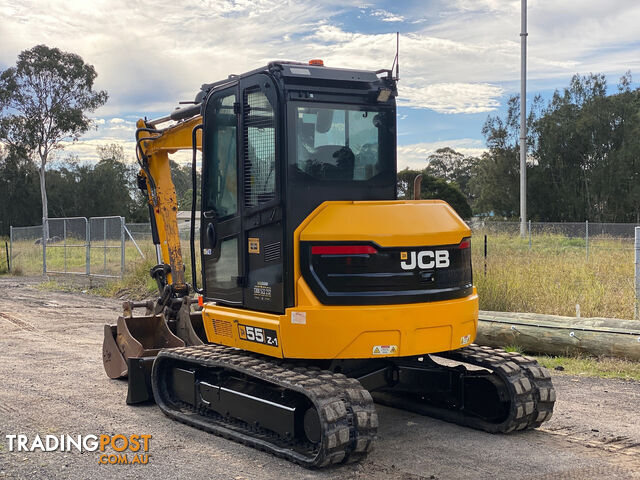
{"x": 452, "y": 97}
{"x": 415, "y": 155}
{"x": 386, "y": 16}
{"x": 457, "y": 57}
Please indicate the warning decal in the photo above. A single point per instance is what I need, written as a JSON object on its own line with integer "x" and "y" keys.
{"x": 254, "y": 245}
{"x": 385, "y": 349}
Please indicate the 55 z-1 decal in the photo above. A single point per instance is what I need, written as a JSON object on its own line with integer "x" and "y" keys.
{"x": 258, "y": 335}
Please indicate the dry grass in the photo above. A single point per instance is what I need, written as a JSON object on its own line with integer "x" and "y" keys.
{"x": 550, "y": 278}
{"x": 604, "y": 367}
{"x": 554, "y": 276}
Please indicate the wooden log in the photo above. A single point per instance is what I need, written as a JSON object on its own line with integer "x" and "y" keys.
{"x": 557, "y": 335}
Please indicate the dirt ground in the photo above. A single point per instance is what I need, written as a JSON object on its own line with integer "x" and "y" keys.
{"x": 52, "y": 382}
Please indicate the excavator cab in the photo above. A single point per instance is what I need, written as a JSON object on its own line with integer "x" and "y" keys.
{"x": 277, "y": 143}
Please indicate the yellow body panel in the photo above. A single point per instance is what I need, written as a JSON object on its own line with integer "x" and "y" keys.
{"x": 332, "y": 332}
{"x": 224, "y": 325}
{"x": 393, "y": 223}
{"x": 315, "y": 331}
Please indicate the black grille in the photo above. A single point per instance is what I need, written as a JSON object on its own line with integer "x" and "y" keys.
{"x": 259, "y": 149}
{"x": 272, "y": 252}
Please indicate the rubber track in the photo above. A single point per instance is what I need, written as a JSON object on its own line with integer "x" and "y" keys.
{"x": 346, "y": 410}
{"x": 502, "y": 363}
{"x": 528, "y": 384}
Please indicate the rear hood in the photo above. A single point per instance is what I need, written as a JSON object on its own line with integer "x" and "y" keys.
{"x": 401, "y": 223}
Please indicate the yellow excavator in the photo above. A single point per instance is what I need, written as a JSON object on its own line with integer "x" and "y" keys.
{"x": 321, "y": 292}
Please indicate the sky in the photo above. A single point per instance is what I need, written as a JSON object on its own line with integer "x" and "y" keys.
{"x": 459, "y": 59}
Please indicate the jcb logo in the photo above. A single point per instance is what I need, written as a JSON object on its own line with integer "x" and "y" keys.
{"x": 424, "y": 259}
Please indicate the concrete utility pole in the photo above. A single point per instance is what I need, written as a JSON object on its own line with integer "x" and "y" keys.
{"x": 523, "y": 120}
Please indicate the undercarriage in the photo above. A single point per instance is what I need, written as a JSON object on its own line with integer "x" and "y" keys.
{"x": 318, "y": 413}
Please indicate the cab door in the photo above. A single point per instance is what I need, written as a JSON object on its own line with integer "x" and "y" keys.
{"x": 262, "y": 212}
{"x": 220, "y": 228}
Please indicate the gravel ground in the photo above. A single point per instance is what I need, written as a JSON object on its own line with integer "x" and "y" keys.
{"x": 52, "y": 382}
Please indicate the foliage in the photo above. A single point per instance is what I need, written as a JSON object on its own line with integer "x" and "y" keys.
{"x": 583, "y": 163}
{"x": 181, "y": 176}
{"x": 452, "y": 167}
{"x": 433, "y": 188}
{"x": 43, "y": 101}
{"x": 19, "y": 199}
{"x": 495, "y": 183}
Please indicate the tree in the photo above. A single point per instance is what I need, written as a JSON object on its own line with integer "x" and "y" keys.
{"x": 181, "y": 176}
{"x": 44, "y": 100}
{"x": 588, "y": 152}
{"x": 494, "y": 183}
{"x": 452, "y": 167}
{"x": 18, "y": 190}
{"x": 433, "y": 188}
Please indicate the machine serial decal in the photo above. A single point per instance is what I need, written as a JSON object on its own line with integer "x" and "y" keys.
{"x": 258, "y": 335}
{"x": 262, "y": 291}
{"x": 424, "y": 259}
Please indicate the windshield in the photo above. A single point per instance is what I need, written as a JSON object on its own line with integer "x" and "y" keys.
{"x": 342, "y": 144}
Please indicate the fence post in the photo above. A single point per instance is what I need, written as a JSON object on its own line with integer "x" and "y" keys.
{"x": 122, "y": 255}
{"x": 104, "y": 249}
{"x": 485, "y": 255}
{"x": 44, "y": 245}
{"x": 586, "y": 236}
{"x": 64, "y": 235}
{"x": 637, "y": 245}
{"x": 88, "y": 245}
{"x": 10, "y": 248}
{"x": 529, "y": 234}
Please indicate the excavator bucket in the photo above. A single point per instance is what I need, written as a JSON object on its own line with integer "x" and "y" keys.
{"x": 134, "y": 337}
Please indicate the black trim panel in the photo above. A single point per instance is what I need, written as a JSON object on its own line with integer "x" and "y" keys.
{"x": 378, "y": 279}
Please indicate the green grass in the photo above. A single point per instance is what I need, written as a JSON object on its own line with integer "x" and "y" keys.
{"x": 554, "y": 275}
{"x": 513, "y": 348}
{"x": 604, "y": 367}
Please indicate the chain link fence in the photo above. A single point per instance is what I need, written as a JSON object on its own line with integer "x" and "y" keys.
{"x": 94, "y": 247}
{"x": 141, "y": 234}
{"x": 107, "y": 255}
{"x": 25, "y": 250}
{"x": 588, "y": 236}
{"x": 66, "y": 248}
{"x": 593, "y": 261}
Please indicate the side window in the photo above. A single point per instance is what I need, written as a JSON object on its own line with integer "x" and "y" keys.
{"x": 260, "y": 149}
{"x": 222, "y": 172}
{"x": 222, "y": 272}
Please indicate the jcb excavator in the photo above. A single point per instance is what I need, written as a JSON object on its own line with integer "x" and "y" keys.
{"x": 321, "y": 292}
